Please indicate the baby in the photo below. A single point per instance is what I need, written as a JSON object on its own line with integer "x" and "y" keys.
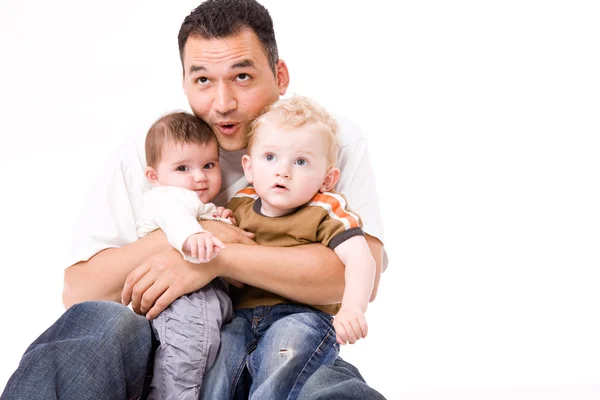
{"x": 291, "y": 163}
{"x": 182, "y": 157}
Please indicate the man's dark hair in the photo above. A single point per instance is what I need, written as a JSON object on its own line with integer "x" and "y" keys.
{"x": 223, "y": 18}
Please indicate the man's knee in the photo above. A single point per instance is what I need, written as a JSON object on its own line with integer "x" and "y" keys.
{"x": 108, "y": 319}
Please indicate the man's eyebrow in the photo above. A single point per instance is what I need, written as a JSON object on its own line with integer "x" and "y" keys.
{"x": 196, "y": 68}
{"x": 243, "y": 64}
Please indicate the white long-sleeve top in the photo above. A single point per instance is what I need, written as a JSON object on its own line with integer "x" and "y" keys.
{"x": 176, "y": 211}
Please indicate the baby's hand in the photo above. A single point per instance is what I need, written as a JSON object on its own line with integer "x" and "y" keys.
{"x": 226, "y": 213}
{"x": 350, "y": 325}
{"x": 203, "y": 245}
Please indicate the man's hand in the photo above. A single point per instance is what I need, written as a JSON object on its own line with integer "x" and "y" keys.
{"x": 203, "y": 245}
{"x": 228, "y": 233}
{"x": 350, "y": 325}
{"x": 163, "y": 278}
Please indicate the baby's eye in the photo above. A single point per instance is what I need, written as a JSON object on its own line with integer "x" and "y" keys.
{"x": 182, "y": 168}
{"x": 270, "y": 157}
{"x": 300, "y": 162}
{"x": 210, "y": 165}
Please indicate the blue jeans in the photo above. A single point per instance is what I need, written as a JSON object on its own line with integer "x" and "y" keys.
{"x": 101, "y": 350}
{"x": 281, "y": 352}
{"x": 96, "y": 350}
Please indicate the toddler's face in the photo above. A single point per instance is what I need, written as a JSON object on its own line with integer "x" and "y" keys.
{"x": 287, "y": 166}
{"x": 191, "y": 166}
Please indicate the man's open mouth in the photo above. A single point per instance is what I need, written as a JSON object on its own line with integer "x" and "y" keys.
{"x": 228, "y": 128}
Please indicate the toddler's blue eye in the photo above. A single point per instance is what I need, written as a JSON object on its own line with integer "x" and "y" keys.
{"x": 301, "y": 162}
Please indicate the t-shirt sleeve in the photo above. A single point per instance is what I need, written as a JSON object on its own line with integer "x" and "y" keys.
{"x": 357, "y": 180}
{"x": 109, "y": 214}
{"x": 338, "y": 223}
{"x": 332, "y": 233}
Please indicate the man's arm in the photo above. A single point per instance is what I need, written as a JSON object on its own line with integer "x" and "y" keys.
{"x": 311, "y": 274}
{"x": 102, "y": 277}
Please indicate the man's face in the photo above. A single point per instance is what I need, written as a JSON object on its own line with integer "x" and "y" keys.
{"x": 228, "y": 81}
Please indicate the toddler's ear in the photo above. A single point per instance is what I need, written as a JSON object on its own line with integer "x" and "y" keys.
{"x": 332, "y": 177}
{"x": 151, "y": 175}
{"x": 247, "y": 165}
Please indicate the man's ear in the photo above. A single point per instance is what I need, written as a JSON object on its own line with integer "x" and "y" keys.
{"x": 332, "y": 177}
{"x": 283, "y": 77}
{"x": 151, "y": 175}
{"x": 247, "y": 165}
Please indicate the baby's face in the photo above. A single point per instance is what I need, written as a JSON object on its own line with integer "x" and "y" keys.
{"x": 287, "y": 165}
{"x": 191, "y": 166}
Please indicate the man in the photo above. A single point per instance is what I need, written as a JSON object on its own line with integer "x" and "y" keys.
{"x": 231, "y": 70}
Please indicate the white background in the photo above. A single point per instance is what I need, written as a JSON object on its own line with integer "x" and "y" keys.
{"x": 483, "y": 124}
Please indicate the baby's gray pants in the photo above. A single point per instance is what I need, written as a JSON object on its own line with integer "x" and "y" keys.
{"x": 189, "y": 334}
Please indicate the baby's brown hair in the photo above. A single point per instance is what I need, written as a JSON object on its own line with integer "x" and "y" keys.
{"x": 176, "y": 127}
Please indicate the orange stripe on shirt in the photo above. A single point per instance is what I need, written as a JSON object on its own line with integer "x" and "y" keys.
{"x": 336, "y": 208}
{"x": 249, "y": 191}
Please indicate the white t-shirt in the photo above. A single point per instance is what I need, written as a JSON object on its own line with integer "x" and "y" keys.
{"x": 114, "y": 205}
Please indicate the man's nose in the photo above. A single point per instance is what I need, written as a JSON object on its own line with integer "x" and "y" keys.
{"x": 225, "y": 100}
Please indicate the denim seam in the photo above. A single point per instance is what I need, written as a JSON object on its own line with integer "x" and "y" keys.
{"x": 318, "y": 351}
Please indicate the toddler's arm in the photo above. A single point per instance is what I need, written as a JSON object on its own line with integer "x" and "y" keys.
{"x": 350, "y": 323}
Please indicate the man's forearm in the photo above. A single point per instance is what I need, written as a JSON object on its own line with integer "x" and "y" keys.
{"x": 311, "y": 274}
{"x": 102, "y": 277}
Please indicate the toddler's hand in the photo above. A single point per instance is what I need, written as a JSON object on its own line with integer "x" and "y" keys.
{"x": 350, "y": 325}
{"x": 226, "y": 213}
{"x": 203, "y": 245}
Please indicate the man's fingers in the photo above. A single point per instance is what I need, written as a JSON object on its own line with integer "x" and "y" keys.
{"x": 161, "y": 303}
{"x": 140, "y": 288}
{"x": 132, "y": 279}
{"x": 248, "y": 235}
{"x": 151, "y": 295}
{"x": 217, "y": 242}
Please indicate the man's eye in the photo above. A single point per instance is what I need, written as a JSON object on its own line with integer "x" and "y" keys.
{"x": 202, "y": 79}
{"x": 243, "y": 77}
{"x": 300, "y": 162}
{"x": 210, "y": 165}
{"x": 182, "y": 168}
